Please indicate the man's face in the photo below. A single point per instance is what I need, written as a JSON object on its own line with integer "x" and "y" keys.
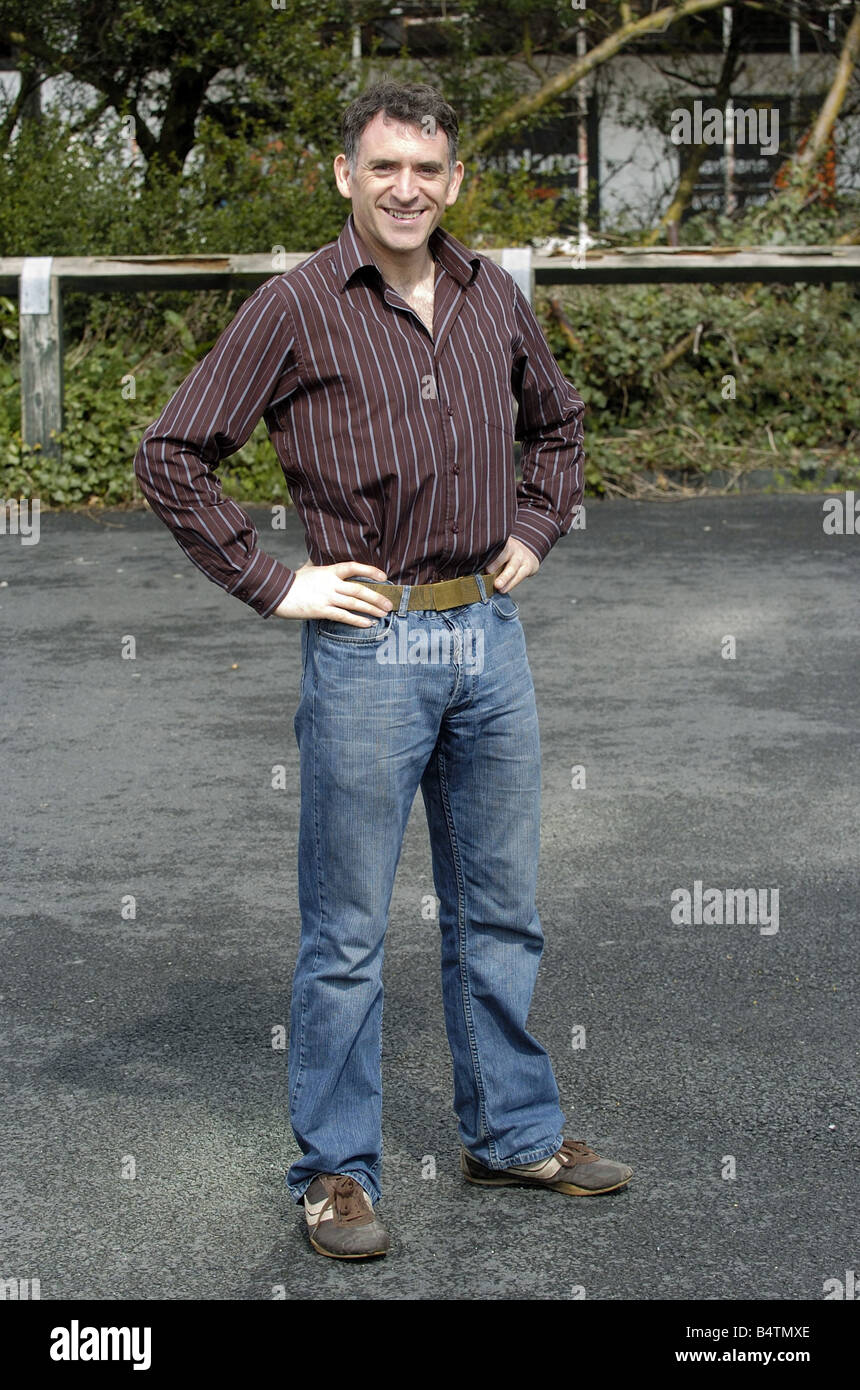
{"x": 400, "y": 169}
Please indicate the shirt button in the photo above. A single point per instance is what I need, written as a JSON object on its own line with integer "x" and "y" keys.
{"x": 450, "y": 410}
{"x": 456, "y": 468}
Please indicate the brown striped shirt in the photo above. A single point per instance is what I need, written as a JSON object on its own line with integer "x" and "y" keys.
{"x": 396, "y": 446}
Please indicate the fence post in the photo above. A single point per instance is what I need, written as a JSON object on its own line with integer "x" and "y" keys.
{"x": 517, "y": 261}
{"x": 41, "y": 355}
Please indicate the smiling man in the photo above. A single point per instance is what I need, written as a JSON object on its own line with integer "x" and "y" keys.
{"x": 385, "y": 367}
{"x": 400, "y": 186}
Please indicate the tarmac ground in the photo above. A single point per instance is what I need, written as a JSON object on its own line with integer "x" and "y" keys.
{"x": 150, "y": 926}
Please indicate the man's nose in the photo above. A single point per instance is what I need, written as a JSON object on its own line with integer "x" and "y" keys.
{"x": 405, "y": 186}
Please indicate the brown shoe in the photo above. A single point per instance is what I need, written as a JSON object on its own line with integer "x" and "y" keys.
{"x": 574, "y": 1168}
{"x": 341, "y": 1220}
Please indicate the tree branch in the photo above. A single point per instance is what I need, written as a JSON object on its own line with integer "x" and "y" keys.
{"x": 31, "y": 80}
{"x": 90, "y": 117}
{"x": 826, "y": 119}
{"x": 658, "y": 20}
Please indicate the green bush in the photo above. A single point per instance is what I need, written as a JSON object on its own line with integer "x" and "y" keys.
{"x": 765, "y": 378}
{"x": 113, "y": 389}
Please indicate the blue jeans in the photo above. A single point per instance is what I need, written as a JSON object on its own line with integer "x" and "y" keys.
{"x": 444, "y": 701}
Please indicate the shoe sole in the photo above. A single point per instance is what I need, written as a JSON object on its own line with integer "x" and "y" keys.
{"x": 335, "y": 1255}
{"x": 570, "y": 1189}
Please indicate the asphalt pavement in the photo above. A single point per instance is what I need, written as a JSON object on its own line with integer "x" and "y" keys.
{"x": 150, "y": 925}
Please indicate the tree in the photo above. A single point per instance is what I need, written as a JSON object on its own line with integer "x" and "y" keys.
{"x": 170, "y": 63}
{"x": 815, "y": 145}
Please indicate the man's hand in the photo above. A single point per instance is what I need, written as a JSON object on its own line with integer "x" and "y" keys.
{"x": 324, "y": 591}
{"x": 515, "y": 563}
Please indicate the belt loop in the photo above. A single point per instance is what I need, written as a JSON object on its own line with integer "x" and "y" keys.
{"x": 404, "y": 600}
{"x": 481, "y": 589}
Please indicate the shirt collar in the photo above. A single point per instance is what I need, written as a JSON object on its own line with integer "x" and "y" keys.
{"x": 351, "y": 254}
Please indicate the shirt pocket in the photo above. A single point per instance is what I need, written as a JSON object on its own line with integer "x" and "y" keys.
{"x": 488, "y": 381}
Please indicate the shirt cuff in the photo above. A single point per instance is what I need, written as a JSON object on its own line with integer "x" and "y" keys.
{"x": 263, "y": 584}
{"x": 536, "y": 530}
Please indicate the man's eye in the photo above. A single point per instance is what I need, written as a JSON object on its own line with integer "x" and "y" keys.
{"x": 425, "y": 173}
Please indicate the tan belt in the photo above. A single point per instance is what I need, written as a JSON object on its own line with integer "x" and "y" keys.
{"x": 447, "y": 593}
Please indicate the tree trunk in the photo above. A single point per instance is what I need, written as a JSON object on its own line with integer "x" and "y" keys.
{"x": 182, "y": 108}
{"x": 687, "y": 180}
{"x": 26, "y": 104}
{"x": 806, "y": 161}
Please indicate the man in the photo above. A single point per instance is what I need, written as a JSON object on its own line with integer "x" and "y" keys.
{"x": 383, "y": 367}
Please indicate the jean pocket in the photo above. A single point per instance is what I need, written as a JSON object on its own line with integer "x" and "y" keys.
{"x": 505, "y": 606}
{"x": 350, "y": 635}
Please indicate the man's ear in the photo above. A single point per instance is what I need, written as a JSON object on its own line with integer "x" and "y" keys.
{"x": 454, "y": 189}
{"x": 341, "y": 176}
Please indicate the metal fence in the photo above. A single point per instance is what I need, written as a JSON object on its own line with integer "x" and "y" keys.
{"x": 41, "y": 281}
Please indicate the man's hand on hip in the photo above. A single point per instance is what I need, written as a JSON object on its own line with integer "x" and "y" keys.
{"x": 515, "y": 563}
{"x": 324, "y": 591}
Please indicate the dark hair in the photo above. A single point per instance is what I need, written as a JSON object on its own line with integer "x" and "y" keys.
{"x": 414, "y": 103}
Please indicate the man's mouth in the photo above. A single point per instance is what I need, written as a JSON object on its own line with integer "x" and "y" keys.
{"x": 399, "y": 216}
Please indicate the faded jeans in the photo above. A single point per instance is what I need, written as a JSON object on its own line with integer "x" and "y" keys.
{"x": 444, "y": 701}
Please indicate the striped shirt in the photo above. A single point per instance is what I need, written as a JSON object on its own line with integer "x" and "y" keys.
{"x": 397, "y": 446}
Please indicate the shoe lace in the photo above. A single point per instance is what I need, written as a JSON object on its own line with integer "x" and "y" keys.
{"x": 574, "y": 1151}
{"x": 346, "y": 1196}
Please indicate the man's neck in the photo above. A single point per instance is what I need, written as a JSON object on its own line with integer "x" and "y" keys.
{"x": 404, "y": 272}
{"x": 407, "y": 282}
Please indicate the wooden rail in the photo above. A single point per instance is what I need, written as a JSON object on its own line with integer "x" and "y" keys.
{"x": 40, "y": 282}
